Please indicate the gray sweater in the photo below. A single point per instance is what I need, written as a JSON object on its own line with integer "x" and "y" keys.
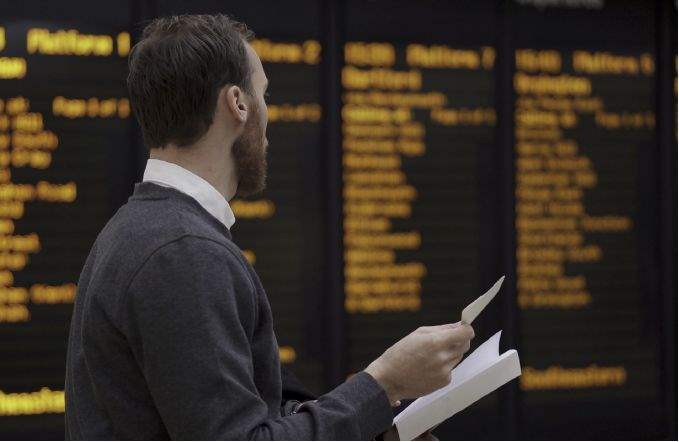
{"x": 172, "y": 337}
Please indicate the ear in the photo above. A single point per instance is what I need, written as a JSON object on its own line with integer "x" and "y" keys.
{"x": 234, "y": 99}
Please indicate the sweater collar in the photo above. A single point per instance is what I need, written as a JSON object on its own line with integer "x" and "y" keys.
{"x": 172, "y": 175}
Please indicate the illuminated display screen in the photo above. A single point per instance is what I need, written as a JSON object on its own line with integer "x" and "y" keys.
{"x": 415, "y": 113}
{"x": 472, "y": 139}
{"x": 584, "y": 138}
{"x": 280, "y": 241}
{"x": 273, "y": 228}
{"x": 64, "y": 141}
{"x": 418, "y": 123}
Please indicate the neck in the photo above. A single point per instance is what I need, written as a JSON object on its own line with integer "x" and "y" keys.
{"x": 207, "y": 161}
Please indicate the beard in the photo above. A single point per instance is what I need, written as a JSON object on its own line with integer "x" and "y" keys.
{"x": 249, "y": 155}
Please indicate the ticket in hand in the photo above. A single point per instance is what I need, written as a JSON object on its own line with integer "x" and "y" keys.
{"x": 475, "y": 308}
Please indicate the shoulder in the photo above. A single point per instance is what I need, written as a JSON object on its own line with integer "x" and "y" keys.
{"x": 155, "y": 251}
{"x": 193, "y": 277}
{"x": 154, "y": 234}
{"x": 195, "y": 257}
{"x": 190, "y": 281}
{"x": 141, "y": 230}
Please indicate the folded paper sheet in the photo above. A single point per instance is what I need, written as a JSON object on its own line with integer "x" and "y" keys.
{"x": 479, "y": 374}
{"x": 475, "y": 308}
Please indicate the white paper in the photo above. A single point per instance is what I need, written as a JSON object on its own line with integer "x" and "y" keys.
{"x": 475, "y": 308}
{"x": 481, "y": 373}
{"x": 484, "y": 355}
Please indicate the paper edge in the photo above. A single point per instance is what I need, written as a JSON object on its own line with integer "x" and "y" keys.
{"x": 441, "y": 397}
{"x": 507, "y": 354}
{"x": 496, "y": 354}
{"x": 498, "y": 283}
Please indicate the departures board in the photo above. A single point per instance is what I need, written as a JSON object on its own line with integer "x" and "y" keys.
{"x": 418, "y": 152}
{"x": 418, "y": 125}
{"x": 64, "y": 144}
{"x": 585, "y": 181}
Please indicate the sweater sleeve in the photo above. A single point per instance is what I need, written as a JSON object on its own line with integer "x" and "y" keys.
{"x": 294, "y": 393}
{"x": 193, "y": 307}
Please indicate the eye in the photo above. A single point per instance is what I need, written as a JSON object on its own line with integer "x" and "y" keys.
{"x": 266, "y": 96}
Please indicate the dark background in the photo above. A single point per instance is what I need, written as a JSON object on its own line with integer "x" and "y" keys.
{"x": 465, "y": 210}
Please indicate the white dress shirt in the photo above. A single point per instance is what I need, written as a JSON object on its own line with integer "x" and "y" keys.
{"x": 171, "y": 175}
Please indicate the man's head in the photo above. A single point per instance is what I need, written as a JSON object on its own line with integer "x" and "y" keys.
{"x": 194, "y": 76}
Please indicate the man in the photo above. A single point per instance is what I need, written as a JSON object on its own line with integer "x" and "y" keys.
{"x": 172, "y": 335}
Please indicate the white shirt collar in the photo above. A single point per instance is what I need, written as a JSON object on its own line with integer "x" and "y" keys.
{"x": 168, "y": 174}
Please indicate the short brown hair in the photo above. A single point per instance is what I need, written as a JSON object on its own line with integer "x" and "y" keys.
{"x": 176, "y": 71}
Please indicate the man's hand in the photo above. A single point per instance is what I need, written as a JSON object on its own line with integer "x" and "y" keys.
{"x": 422, "y": 361}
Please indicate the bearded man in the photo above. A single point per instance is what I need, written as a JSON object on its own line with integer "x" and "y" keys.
{"x": 172, "y": 334}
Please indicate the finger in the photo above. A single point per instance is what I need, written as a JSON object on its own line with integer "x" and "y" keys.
{"x": 468, "y": 331}
{"x": 459, "y": 347}
{"x": 452, "y": 337}
{"x": 449, "y": 358}
{"x": 441, "y": 328}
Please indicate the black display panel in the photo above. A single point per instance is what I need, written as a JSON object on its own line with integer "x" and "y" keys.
{"x": 418, "y": 127}
{"x": 419, "y": 150}
{"x": 64, "y": 166}
{"x": 279, "y": 230}
{"x": 584, "y": 141}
